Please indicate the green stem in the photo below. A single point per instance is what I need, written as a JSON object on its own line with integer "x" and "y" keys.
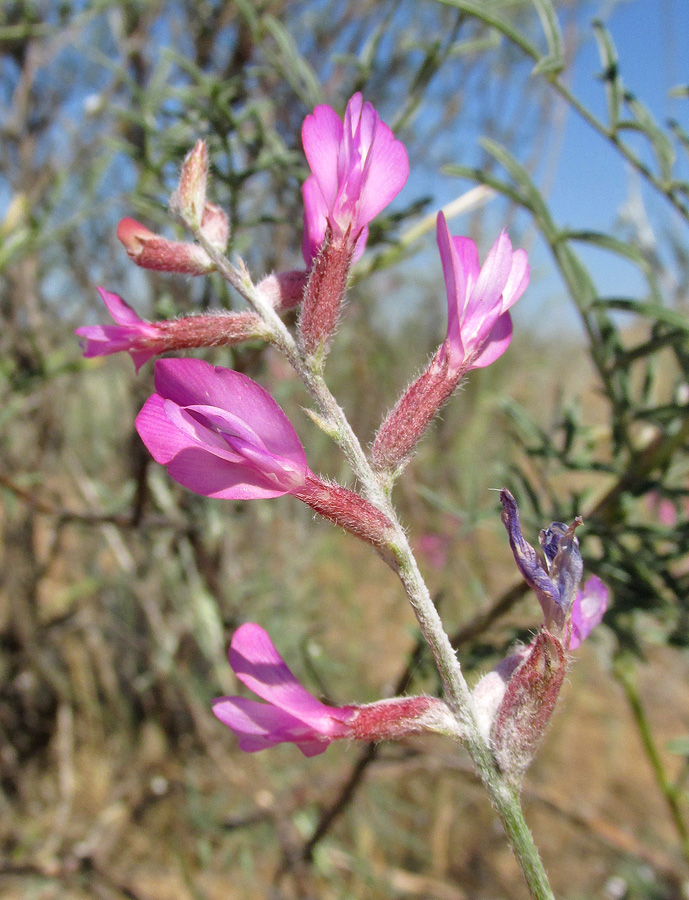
{"x": 623, "y": 673}
{"x": 521, "y": 840}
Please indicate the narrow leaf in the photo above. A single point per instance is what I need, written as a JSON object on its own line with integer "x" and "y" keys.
{"x": 554, "y": 62}
{"x": 662, "y": 146}
{"x": 611, "y": 73}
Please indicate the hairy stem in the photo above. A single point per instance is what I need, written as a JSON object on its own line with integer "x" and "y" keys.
{"x": 376, "y": 489}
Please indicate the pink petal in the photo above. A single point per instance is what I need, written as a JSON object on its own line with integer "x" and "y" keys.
{"x": 260, "y": 725}
{"x": 360, "y": 245}
{"x": 588, "y": 610}
{"x": 455, "y": 284}
{"x": 121, "y": 312}
{"x": 495, "y": 345}
{"x": 102, "y": 340}
{"x": 190, "y": 382}
{"x": 162, "y": 439}
{"x": 315, "y": 219}
{"x": 321, "y": 135}
{"x": 139, "y": 357}
{"x": 466, "y": 255}
{"x": 487, "y": 292}
{"x": 387, "y": 172}
{"x": 200, "y": 434}
{"x": 260, "y": 667}
{"x": 200, "y": 471}
{"x": 518, "y": 279}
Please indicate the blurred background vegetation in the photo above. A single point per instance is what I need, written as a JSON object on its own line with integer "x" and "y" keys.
{"x": 120, "y": 590}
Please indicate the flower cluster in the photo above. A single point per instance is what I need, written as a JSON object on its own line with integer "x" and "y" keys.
{"x": 222, "y": 435}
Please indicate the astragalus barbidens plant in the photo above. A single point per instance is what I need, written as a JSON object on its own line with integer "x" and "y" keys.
{"x": 221, "y": 435}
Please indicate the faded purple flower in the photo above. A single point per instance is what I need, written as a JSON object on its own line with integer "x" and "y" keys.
{"x": 479, "y": 328}
{"x": 514, "y": 702}
{"x": 556, "y": 583}
{"x": 292, "y": 715}
{"x": 357, "y": 167}
{"x": 571, "y": 614}
{"x": 219, "y": 433}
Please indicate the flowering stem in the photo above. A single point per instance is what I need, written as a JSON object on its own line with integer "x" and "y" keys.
{"x": 375, "y": 488}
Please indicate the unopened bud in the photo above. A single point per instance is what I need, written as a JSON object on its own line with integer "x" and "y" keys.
{"x": 325, "y": 291}
{"x": 189, "y": 199}
{"x": 215, "y": 226}
{"x": 151, "y": 251}
{"x": 284, "y": 290}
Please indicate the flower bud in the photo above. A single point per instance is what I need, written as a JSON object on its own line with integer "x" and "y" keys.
{"x": 190, "y": 197}
{"x": 151, "y": 251}
{"x": 284, "y": 290}
{"x": 215, "y": 226}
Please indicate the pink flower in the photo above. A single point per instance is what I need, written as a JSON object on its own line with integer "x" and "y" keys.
{"x": 143, "y": 340}
{"x": 357, "y": 167}
{"x": 588, "y": 610}
{"x": 292, "y": 715}
{"x": 434, "y": 546}
{"x": 663, "y": 508}
{"x": 479, "y": 328}
{"x": 219, "y": 433}
{"x": 131, "y": 333}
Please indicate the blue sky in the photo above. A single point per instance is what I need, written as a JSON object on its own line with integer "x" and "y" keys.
{"x": 652, "y": 39}
{"x": 591, "y": 185}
